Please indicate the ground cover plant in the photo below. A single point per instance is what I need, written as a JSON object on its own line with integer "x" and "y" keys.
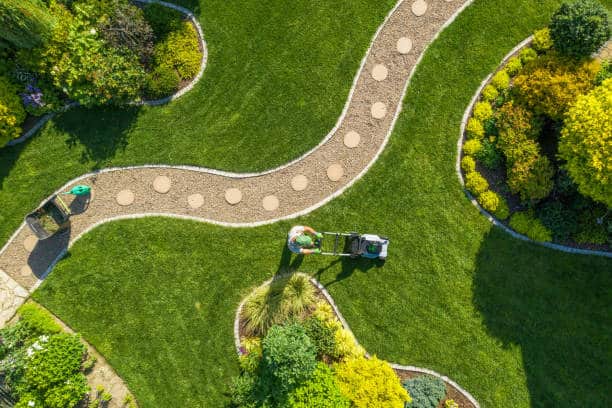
{"x": 460, "y": 297}
{"x": 541, "y": 135}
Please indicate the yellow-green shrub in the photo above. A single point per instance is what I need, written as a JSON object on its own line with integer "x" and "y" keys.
{"x": 475, "y": 183}
{"x": 501, "y": 80}
{"x": 531, "y": 177}
{"x": 468, "y": 164}
{"x": 180, "y": 51}
{"x": 346, "y": 347}
{"x": 513, "y": 66}
{"x": 483, "y": 111}
{"x": 489, "y": 93}
{"x": 494, "y": 204}
{"x": 542, "y": 41}
{"x": 525, "y": 223}
{"x": 586, "y": 143}
{"x": 471, "y": 147}
{"x": 12, "y": 113}
{"x": 527, "y": 55}
{"x": 549, "y": 84}
{"x": 474, "y": 129}
{"x": 370, "y": 384}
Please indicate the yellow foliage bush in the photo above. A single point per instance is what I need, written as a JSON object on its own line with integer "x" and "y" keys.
{"x": 471, "y": 147}
{"x": 12, "y": 113}
{"x": 489, "y": 93}
{"x": 475, "y": 183}
{"x": 370, "y": 384}
{"x": 549, "y": 84}
{"x": 468, "y": 164}
{"x": 542, "y": 41}
{"x": 501, "y": 80}
{"x": 586, "y": 143}
{"x": 474, "y": 129}
{"x": 346, "y": 347}
{"x": 494, "y": 204}
{"x": 483, "y": 111}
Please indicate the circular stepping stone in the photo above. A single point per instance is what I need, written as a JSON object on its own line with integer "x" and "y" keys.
{"x": 195, "y": 200}
{"x": 352, "y": 139}
{"x": 125, "y": 197}
{"x": 379, "y": 110}
{"x": 25, "y": 271}
{"x": 380, "y": 72}
{"x": 270, "y": 203}
{"x": 233, "y": 196}
{"x": 404, "y": 45}
{"x": 419, "y": 7}
{"x": 162, "y": 184}
{"x": 299, "y": 183}
{"x": 335, "y": 172}
{"x": 30, "y": 243}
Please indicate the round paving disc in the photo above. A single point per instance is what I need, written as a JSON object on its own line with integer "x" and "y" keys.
{"x": 195, "y": 200}
{"x": 379, "y": 110}
{"x": 162, "y": 184}
{"x": 404, "y": 45}
{"x": 380, "y": 72}
{"x": 419, "y": 7}
{"x": 335, "y": 172}
{"x": 30, "y": 243}
{"x": 233, "y": 196}
{"x": 299, "y": 182}
{"x": 25, "y": 271}
{"x": 352, "y": 139}
{"x": 270, "y": 203}
{"x": 125, "y": 197}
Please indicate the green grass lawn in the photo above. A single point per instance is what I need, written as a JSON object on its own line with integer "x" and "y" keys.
{"x": 277, "y": 79}
{"x": 516, "y": 324}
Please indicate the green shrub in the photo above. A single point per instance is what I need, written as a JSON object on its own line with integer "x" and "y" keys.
{"x": 586, "y": 143}
{"x": 370, "y": 384}
{"x": 580, "y": 28}
{"x": 490, "y": 127}
{"x": 163, "y": 20}
{"x": 471, "y": 147}
{"x": 527, "y": 55}
{"x": 475, "y": 183}
{"x": 531, "y": 177}
{"x": 38, "y": 320}
{"x": 321, "y": 391}
{"x": 474, "y": 129}
{"x": 551, "y": 83}
{"x": 53, "y": 372}
{"x": 604, "y": 73}
{"x": 483, "y": 111}
{"x": 288, "y": 359}
{"x": 180, "y": 51}
{"x": 426, "y": 391}
{"x": 243, "y": 391}
{"x": 489, "y": 93}
{"x": 163, "y": 81}
{"x": 12, "y": 113}
{"x": 501, "y": 80}
{"x": 468, "y": 164}
{"x": 522, "y": 122}
{"x": 489, "y": 155}
{"x": 542, "y": 41}
{"x": 525, "y": 223}
{"x": 513, "y": 66}
{"x": 322, "y": 336}
{"x": 560, "y": 220}
{"x": 275, "y": 303}
{"x": 24, "y": 23}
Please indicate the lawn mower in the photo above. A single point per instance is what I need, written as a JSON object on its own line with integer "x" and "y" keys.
{"x": 54, "y": 215}
{"x": 354, "y": 245}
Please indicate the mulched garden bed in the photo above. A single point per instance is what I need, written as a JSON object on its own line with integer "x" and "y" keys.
{"x": 451, "y": 392}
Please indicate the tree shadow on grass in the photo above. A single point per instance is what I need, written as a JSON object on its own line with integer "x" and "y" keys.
{"x": 9, "y": 155}
{"x": 559, "y": 316}
{"x": 101, "y": 131}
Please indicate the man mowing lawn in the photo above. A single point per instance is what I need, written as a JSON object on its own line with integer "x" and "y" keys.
{"x": 300, "y": 240}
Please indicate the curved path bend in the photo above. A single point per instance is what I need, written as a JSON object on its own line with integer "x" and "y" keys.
{"x": 232, "y": 199}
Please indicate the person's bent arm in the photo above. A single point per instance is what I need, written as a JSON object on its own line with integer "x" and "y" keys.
{"x": 305, "y": 251}
{"x": 309, "y": 230}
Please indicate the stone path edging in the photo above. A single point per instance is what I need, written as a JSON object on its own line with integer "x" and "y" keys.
{"x": 490, "y": 217}
{"x": 346, "y": 326}
{"x": 155, "y": 102}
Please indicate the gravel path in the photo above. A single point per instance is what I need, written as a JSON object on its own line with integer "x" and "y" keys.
{"x": 250, "y": 199}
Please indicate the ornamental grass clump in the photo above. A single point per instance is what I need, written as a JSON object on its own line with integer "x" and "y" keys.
{"x": 276, "y": 303}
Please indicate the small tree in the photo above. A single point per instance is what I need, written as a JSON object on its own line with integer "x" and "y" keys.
{"x": 579, "y": 29}
{"x": 586, "y": 143}
{"x": 24, "y": 23}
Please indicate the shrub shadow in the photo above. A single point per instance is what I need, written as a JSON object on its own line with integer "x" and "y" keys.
{"x": 101, "y": 131}
{"x": 8, "y": 157}
{"x": 561, "y": 321}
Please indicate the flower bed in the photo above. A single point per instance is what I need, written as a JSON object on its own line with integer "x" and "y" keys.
{"x": 96, "y": 53}
{"x": 523, "y": 152}
{"x": 345, "y": 375}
